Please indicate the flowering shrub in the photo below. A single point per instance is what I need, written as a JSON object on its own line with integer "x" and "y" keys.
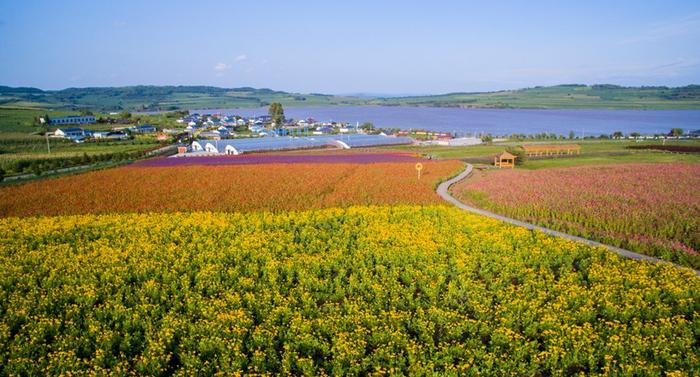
{"x": 649, "y": 208}
{"x": 269, "y": 187}
{"x": 365, "y": 290}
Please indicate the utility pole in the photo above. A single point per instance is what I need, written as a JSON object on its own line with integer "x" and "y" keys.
{"x": 46, "y": 134}
{"x": 48, "y": 147}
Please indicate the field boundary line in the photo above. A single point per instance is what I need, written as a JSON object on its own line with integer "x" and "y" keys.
{"x": 444, "y": 191}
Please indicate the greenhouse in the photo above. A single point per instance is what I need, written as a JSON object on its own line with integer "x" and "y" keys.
{"x": 262, "y": 144}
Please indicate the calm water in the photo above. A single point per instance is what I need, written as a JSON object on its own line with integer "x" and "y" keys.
{"x": 496, "y": 121}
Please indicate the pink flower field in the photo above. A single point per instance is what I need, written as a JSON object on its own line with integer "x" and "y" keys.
{"x": 648, "y": 208}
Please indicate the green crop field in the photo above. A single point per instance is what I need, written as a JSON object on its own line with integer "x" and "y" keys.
{"x": 24, "y": 120}
{"x": 23, "y": 148}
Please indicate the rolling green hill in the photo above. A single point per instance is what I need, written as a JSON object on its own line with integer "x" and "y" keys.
{"x": 563, "y": 97}
{"x": 154, "y": 98}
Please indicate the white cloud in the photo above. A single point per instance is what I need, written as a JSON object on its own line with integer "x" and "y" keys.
{"x": 221, "y": 67}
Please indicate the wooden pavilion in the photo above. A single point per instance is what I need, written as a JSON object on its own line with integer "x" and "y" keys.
{"x": 551, "y": 149}
{"x": 504, "y": 160}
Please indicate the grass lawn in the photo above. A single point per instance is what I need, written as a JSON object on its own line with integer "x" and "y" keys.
{"x": 443, "y": 152}
{"x": 611, "y": 159}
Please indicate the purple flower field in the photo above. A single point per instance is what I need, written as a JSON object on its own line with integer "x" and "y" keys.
{"x": 357, "y": 158}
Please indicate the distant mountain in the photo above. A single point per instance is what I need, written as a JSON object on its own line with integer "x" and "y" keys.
{"x": 154, "y": 98}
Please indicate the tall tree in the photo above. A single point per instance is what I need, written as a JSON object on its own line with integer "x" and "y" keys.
{"x": 676, "y": 132}
{"x": 276, "y": 113}
{"x": 617, "y": 134}
{"x": 367, "y": 126}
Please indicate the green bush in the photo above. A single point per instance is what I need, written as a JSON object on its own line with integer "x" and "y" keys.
{"x": 519, "y": 153}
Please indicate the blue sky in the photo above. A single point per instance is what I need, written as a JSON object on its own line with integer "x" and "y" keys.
{"x": 387, "y": 47}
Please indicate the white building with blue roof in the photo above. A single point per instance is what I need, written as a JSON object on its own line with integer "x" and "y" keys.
{"x": 70, "y": 132}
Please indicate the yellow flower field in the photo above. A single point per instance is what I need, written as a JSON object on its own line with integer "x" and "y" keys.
{"x": 364, "y": 290}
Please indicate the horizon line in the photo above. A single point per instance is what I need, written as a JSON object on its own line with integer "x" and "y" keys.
{"x": 356, "y": 93}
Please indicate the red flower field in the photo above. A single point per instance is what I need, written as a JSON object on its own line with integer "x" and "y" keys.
{"x": 246, "y": 187}
{"x": 649, "y": 208}
{"x": 254, "y": 159}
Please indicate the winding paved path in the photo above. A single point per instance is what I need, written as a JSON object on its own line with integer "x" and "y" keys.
{"x": 444, "y": 191}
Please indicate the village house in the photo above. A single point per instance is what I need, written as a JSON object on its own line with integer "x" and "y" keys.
{"x": 69, "y": 132}
{"x": 325, "y": 130}
{"x": 225, "y": 130}
{"x": 110, "y": 135}
{"x": 257, "y": 129}
{"x": 144, "y": 129}
{"x": 215, "y": 135}
{"x": 73, "y": 119}
{"x": 192, "y": 128}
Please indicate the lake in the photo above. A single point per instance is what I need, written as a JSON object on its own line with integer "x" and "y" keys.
{"x": 494, "y": 121}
